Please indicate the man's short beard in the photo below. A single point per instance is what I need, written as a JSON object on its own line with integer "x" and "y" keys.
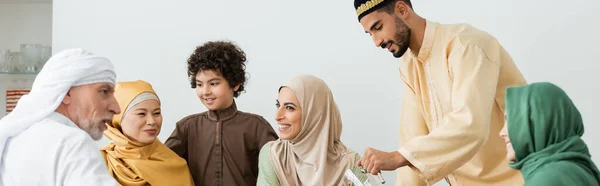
{"x": 401, "y": 37}
{"x": 89, "y": 126}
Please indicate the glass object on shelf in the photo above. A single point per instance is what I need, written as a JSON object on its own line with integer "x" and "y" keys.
{"x": 34, "y": 55}
{"x": 46, "y": 53}
{"x": 30, "y": 53}
{"x": 4, "y": 60}
{"x": 17, "y": 62}
{"x": 29, "y": 60}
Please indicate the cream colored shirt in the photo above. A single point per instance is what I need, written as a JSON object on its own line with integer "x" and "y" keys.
{"x": 452, "y": 108}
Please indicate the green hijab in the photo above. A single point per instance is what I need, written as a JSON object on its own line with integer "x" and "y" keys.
{"x": 545, "y": 129}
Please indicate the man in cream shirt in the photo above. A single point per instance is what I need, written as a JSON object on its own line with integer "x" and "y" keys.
{"x": 48, "y": 139}
{"x": 454, "y": 79}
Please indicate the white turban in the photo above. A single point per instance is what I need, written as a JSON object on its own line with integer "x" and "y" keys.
{"x": 68, "y": 68}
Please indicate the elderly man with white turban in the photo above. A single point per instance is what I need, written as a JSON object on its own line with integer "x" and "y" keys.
{"x": 48, "y": 139}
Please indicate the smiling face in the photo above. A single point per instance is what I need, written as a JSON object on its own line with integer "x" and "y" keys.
{"x": 214, "y": 90}
{"x": 288, "y": 114}
{"x": 143, "y": 122}
{"x": 388, "y": 30}
{"x": 510, "y": 152}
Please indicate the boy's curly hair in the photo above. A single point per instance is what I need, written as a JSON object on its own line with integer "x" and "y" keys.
{"x": 224, "y": 58}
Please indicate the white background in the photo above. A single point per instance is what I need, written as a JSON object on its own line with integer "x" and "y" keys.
{"x": 20, "y": 23}
{"x": 151, "y": 40}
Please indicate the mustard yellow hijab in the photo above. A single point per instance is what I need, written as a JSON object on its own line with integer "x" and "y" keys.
{"x": 132, "y": 163}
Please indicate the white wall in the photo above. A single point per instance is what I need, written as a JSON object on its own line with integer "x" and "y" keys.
{"x": 151, "y": 40}
{"x": 29, "y": 23}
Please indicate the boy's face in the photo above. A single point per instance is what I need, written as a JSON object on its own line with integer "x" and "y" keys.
{"x": 213, "y": 90}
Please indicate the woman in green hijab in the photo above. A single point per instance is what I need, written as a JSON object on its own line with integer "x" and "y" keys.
{"x": 544, "y": 137}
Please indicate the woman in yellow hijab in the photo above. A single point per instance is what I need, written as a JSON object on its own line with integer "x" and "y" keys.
{"x": 136, "y": 156}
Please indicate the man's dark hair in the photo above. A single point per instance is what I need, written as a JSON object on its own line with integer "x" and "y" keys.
{"x": 223, "y": 57}
{"x": 389, "y": 7}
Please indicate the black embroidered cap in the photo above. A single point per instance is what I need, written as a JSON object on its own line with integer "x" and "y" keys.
{"x": 364, "y": 7}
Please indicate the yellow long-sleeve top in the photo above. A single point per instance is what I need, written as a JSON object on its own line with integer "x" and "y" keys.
{"x": 452, "y": 110}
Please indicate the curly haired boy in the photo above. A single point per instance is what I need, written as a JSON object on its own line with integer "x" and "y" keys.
{"x": 220, "y": 145}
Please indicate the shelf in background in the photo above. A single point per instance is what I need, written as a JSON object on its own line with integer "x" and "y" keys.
{"x": 17, "y": 79}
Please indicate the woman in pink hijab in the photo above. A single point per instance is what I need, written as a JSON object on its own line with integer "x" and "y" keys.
{"x": 309, "y": 151}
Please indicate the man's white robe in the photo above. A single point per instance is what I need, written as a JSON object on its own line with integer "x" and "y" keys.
{"x": 54, "y": 152}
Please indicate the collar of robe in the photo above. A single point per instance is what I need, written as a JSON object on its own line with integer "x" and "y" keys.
{"x": 223, "y": 115}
